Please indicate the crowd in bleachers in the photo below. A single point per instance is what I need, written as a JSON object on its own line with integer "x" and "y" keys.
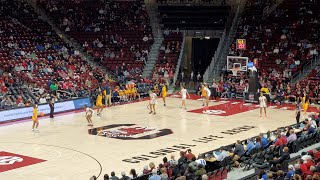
{"x": 113, "y": 32}
{"x": 280, "y": 44}
{"x": 268, "y": 151}
{"x": 169, "y": 53}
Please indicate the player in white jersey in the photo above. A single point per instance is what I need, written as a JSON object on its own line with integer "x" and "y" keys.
{"x": 184, "y": 94}
{"x": 263, "y": 104}
{"x": 89, "y": 113}
{"x": 152, "y": 102}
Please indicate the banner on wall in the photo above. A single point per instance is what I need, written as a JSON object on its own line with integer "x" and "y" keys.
{"x": 26, "y": 112}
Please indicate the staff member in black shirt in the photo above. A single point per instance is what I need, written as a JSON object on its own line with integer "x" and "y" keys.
{"x": 51, "y": 104}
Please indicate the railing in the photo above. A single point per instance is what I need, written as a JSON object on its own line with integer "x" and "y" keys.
{"x": 305, "y": 69}
{"x": 221, "y": 47}
{"x": 176, "y": 73}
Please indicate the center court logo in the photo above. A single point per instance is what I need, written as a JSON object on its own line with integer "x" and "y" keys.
{"x": 7, "y": 160}
{"x": 129, "y": 132}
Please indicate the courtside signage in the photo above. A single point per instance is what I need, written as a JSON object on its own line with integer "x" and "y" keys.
{"x": 20, "y": 113}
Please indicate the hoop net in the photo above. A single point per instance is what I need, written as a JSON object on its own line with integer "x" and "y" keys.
{"x": 235, "y": 71}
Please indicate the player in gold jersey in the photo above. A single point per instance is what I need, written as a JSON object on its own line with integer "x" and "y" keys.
{"x": 35, "y": 119}
{"x": 163, "y": 93}
{"x": 99, "y": 104}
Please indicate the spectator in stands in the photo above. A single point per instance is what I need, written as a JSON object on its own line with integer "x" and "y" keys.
{"x": 283, "y": 137}
{"x": 172, "y": 160}
{"x": 297, "y": 177}
{"x": 237, "y": 153}
{"x": 264, "y": 141}
{"x": 164, "y": 175}
{"x": 291, "y": 172}
{"x": 280, "y": 175}
{"x": 152, "y": 166}
{"x": 21, "y": 104}
{"x": 284, "y": 156}
{"x": 292, "y": 137}
{"x": 270, "y": 176}
{"x": 297, "y": 169}
{"x": 133, "y": 174}
{"x": 106, "y": 177}
{"x": 189, "y": 155}
{"x": 124, "y": 177}
{"x": 113, "y": 176}
{"x": 182, "y": 157}
{"x": 279, "y": 141}
{"x": 222, "y": 154}
{"x": 193, "y": 164}
{"x": 2, "y": 102}
{"x": 313, "y": 171}
{"x": 263, "y": 175}
{"x": 310, "y": 126}
{"x": 258, "y": 143}
{"x": 250, "y": 146}
{"x": 145, "y": 170}
{"x": 201, "y": 171}
{"x": 154, "y": 175}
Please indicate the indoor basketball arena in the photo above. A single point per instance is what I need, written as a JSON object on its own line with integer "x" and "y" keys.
{"x": 159, "y": 90}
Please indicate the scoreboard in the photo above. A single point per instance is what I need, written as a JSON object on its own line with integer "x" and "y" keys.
{"x": 241, "y": 44}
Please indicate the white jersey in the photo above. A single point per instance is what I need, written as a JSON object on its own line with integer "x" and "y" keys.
{"x": 153, "y": 98}
{"x": 263, "y": 101}
{"x": 184, "y": 94}
{"x": 208, "y": 91}
{"x": 88, "y": 110}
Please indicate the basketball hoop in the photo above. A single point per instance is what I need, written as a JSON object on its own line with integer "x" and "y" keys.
{"x": 235, "y": 71}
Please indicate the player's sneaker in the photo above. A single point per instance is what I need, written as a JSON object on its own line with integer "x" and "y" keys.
{"x": 37, "y": 131}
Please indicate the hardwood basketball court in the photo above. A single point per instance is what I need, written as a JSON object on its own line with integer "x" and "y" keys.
{"x": 126, "y": 137}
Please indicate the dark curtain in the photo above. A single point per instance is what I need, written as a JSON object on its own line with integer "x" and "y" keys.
{"x": 202, "y": 53}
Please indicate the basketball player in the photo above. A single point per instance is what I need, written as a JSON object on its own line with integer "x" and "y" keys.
{"x": 152, "y": 102}
{"x": 184, "y": 94}
{"x": 203, "y": 94}
{"x": 135, "y": 92}
{"x": 305, "y": 103}
{"x": 263, "y": 104}
{"x": 35, "y": 119}
{"x": 207, "y": 93}
{"x": 298, "y": 113}
{"x": 89, "y": 113}
{"x": 164, "y": 93}
{"x": 99, "y": 104}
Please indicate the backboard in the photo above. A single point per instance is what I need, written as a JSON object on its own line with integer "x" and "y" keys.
{"x": 237, "y": 62}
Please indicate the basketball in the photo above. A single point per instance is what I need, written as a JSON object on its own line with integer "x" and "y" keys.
{"x": 41, "y": 114}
